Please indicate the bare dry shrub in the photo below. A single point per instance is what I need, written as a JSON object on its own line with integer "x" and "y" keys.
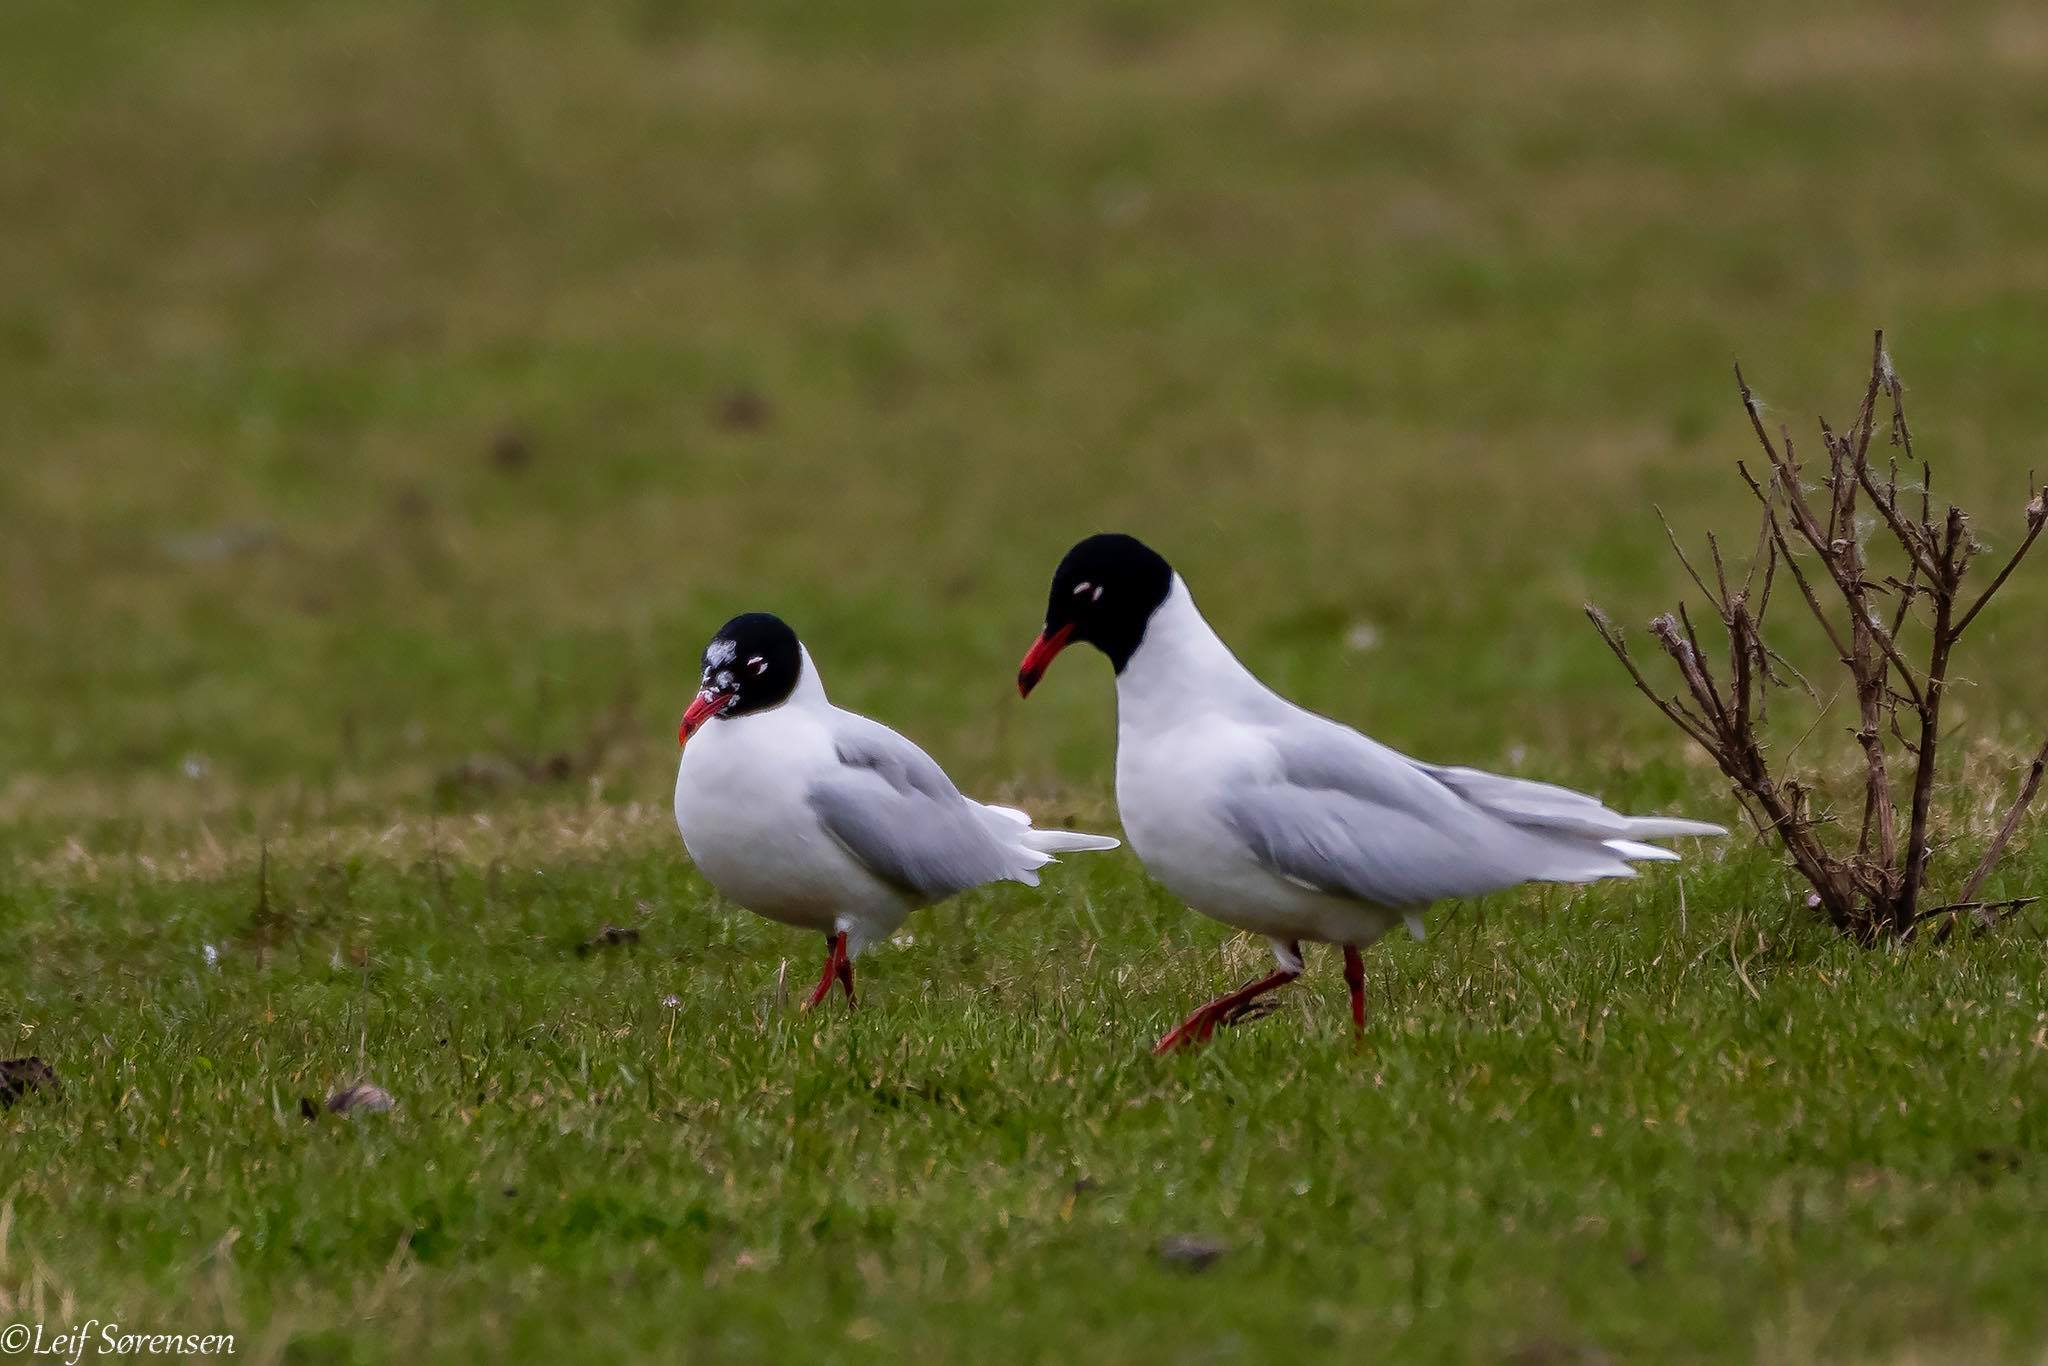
{"x": 1878, "y": 591}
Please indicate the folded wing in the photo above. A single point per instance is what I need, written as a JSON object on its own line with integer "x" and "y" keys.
{"x": 1546, "y": 806}
{"x": 1347, "y": 816}
{"x": 893, "y": 809}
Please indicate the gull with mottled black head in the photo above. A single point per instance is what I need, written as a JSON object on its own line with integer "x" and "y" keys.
{"x": 814, "y": 816}
{"x": 1275, "y": 820}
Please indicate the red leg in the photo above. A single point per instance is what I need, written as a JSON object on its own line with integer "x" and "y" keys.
{"x": 1199, "y": 1026}
{"x": 1354, "y": 977}
{"x": 846, "y": 973}
{"x": 835, "y": 966}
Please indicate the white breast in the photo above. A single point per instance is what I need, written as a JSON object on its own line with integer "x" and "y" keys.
{"x": 743, "y": 810}
{"x": 1191, "y": 728}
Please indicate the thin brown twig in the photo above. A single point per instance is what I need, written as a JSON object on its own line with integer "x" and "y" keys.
{"x": 1680, "y": 717}
{"x": 1983, "y": 917}
{"x": 1679, "y": 551}
{"x": 1925, "y": 761}
{"x": 1757, "y": 556}
{"x": 1903, "y": 532}
{"x": 2037, "y": 516}
{"x": 1994, "y": 850}
{"x": 1703, "y": 664}
{"x": 1879, "y": 365}
{"x": 2011, "y": 903}
{"x": 1805, "y": 589}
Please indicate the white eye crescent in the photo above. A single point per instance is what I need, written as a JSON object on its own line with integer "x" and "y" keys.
{"x": 758, "y": 664}
{"x": 1098, "y": 595}
{"x": 1081, "y": 588}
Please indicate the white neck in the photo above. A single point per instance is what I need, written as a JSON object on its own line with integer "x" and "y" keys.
{"x": 810, "y": 689}
{"x": 1180, "y": 666}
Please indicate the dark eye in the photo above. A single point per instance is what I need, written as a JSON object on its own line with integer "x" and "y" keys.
{"x": 758, "y": 664}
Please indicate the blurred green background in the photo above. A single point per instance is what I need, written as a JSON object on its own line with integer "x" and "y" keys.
{"x": 387, "y": 384}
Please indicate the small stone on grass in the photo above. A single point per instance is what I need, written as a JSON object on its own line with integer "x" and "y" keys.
{"x": 611, "y": 936}
{"x": 1190, "y": 1252}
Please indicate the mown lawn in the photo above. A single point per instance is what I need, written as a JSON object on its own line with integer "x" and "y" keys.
{"x": 1581, "y": 1123}
{"x": 394, "y": 396}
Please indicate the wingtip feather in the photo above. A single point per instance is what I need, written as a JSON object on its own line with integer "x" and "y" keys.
{"x": 1649, "y": 853}
{"x": 1069, "y": 841}
{"x": 1664, "y": 827}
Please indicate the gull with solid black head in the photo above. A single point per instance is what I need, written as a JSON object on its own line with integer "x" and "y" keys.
{"x": 817, "y": 817}
{"x": 1278, "y": 821}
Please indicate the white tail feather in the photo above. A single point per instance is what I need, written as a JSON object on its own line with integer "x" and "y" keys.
{"x": 1013, "y": 827}
{"x": 1663, "y": 827}
{"x": 1648, "y": 852}
{"x": 1066, "y": 841}
{"x": 1548, "y": 807}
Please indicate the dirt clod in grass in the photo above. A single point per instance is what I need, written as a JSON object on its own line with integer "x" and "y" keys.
{"x": 1190, "y": 1252}
{"x": 19, "y": 1076}
{"x": 1987, "y": 1165}
{"x": 409, "y": 504}
{"x": 369, "y": 1099}
{"x": 743, "y": 409}
{"x": 511, "y": 450}
{"x": 611, "y": 936}
{"x": 307, "y": 1110}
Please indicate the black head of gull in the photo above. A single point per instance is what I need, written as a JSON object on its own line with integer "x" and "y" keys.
{"x": 752, "y": 664}
{"x": 1103, "y": 593}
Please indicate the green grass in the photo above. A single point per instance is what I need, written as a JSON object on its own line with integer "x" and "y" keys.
{"x": 1384, "y": 318}
{"x": 1580, "y": 1122}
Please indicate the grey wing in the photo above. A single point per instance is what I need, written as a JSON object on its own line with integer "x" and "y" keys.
{"x": 1350, "y": 817}
{"x": 1546, "y": 806}
{"x": 1343, "y": 845}
{"x": 892, "y": 808}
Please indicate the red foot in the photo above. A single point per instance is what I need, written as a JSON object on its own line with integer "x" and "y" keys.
{"x": 1197, "y": 1028}
{"x": 839, "y": 968}
{"x": 846, "y": 973}
{"x": 1354, "y": 977}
